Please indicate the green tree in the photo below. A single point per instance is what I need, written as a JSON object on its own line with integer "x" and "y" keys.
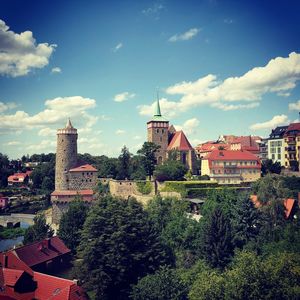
{"x": 170, "y": 170}
{"x": 165, "y": 284}
{"x": 246, "y": 221}
{"x": 43, "y": 176}
{"x": 71, "y": 224}
{"x": 148, "y": 159}
{"x": 124, "y": 164}
{"x": 4, "y": 170}
{"x": 118, "y": 245}
{"x": 217, "y": 240}
{"x": 270, "y": 188}
{"x": 38, "y": 231}
{"x": 269, "y": 167}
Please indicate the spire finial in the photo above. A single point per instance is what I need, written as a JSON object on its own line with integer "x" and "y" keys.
{"x": 69, "y": 124}
{"x": 157, "y": 107}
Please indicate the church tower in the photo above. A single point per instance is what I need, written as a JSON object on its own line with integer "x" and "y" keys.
{"x": 66, "y": 155}
{"x": 157, "y": 129}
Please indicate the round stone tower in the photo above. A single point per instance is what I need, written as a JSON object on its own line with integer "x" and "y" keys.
{"x": 66, "y": 155}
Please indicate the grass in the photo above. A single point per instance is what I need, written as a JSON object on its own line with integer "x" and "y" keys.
{"x": 11, "y": 233}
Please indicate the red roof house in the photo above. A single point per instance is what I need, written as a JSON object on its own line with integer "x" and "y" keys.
{"x": 18, "y": 179}
{"x": 84, "y": 168}
{"x": 231, "y": 166}
{"x": 19, "y": 281}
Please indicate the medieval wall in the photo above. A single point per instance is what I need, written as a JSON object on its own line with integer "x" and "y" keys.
{"x": 82, "y": 180}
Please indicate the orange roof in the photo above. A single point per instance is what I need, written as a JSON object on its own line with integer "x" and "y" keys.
{"x": 11, "y": 276}
{"x": 180, "y": 142}
{"x": 209, "y": 146}
{"x": 73, "y": 193}
{"x": 231, "y": 155}
{"x": 84, "y": 168}
{"x": 288, "y": 204}
{"x": 17, "y": 176}
{"x": 50, "y": 287}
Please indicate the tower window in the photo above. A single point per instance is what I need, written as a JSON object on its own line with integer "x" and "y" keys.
{"x": 160, "y": 139}
{"x": 157, "y": 130}
{"x": 163, "y": 131}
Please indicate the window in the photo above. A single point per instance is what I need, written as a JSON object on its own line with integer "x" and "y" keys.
{"x": 157, "y": 130}
{"x": 163, "y": 131}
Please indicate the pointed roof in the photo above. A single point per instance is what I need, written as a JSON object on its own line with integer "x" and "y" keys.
{"x": 179, "y": 142}
{"x": 157, "y": 113}
{"x": 69, "y": 124}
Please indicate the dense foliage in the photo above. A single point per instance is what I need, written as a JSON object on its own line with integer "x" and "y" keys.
{"x": 170, "y": 170}
{"x": 37, "y": 232}
{"x": 71, "y": 223}
{"x": 118, "y": 245}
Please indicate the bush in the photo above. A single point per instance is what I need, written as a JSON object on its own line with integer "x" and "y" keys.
{"x": 144, "y": 187}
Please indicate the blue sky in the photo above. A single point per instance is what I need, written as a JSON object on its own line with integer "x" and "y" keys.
{"x": 221, "y": 67}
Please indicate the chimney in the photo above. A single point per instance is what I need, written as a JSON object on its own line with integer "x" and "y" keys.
{"x": 46, "y": 243}
{"x": 75, "y": 281}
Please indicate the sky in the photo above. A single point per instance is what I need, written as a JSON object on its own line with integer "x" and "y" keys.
{"x": 219, "y": 67}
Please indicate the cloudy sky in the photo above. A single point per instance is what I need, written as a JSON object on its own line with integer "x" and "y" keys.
{"x": 221, "y": 67}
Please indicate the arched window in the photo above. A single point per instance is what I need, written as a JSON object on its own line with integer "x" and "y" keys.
{"x": 159, "y": 161}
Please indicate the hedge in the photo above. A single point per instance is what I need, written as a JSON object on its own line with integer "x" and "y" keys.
{"x": 202, "y": 192}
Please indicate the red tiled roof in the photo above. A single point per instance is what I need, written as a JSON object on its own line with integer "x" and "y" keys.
{"x": 292, "y": 127}
{"x": 180, "y": 142}
{"x": 231, "y": 155}
{"x": 84, "y": 168}
{"x": 209, "y": 146}
{"x": 288, "y": 204}
{"x": 39, "y": 252}
{"x": 17, "y": 176}
{"x": 54, "y": 288}
{"x": 11, "y": 276}
{"x": 73, "y": 193}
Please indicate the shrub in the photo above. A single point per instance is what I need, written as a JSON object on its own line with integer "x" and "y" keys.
{"x": 144, "y": 187}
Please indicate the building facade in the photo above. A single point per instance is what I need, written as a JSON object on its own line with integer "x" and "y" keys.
{"x": 276, "y": 148}
{"x": 231, "y": 166}
{"x": 292, "y": 146}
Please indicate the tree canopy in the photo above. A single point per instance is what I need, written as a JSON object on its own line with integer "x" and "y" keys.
{"x": 39, "y": 231}
{"x": 118, "y": 245}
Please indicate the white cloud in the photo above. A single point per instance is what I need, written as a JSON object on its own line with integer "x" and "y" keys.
{"x": 137, "y": 137}
{"x": 13, "y": 143}
{"x": 44, "y": 145}
{"x": 228, "y": 21}
{"x": 295, "y": 106}
{"x": 120, "y": 131}
{"x": 56, "y": 111}
{"x": 123, "y": 96}
{"x": 227, "y": 107}
{"x": 19, "y": 53}
{"x": 47, "y": 132}
{"x": 56, "y": 70}
{"x": 118, "y": 47}
{"x": 184, "y": 36}
{"x": 189, "y": 126}
{"x": 279, "y": 75}
{"x": 7, "y": 106}
{"x": 274, "y": 122}
{"x": 153, "y": 10}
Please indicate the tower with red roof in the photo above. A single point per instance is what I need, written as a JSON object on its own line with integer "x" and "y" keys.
{"x": 73, "y": 178}
{"x": 165, "y": 136}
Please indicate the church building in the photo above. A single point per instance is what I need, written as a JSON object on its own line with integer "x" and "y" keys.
{"x": 162, "y": 134}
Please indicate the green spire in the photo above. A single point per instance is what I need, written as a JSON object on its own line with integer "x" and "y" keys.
{"x": 157, "y": 112}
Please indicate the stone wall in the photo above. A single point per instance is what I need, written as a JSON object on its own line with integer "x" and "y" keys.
{"x": 82, "y": 180}
{"x": 127, "y": 188}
